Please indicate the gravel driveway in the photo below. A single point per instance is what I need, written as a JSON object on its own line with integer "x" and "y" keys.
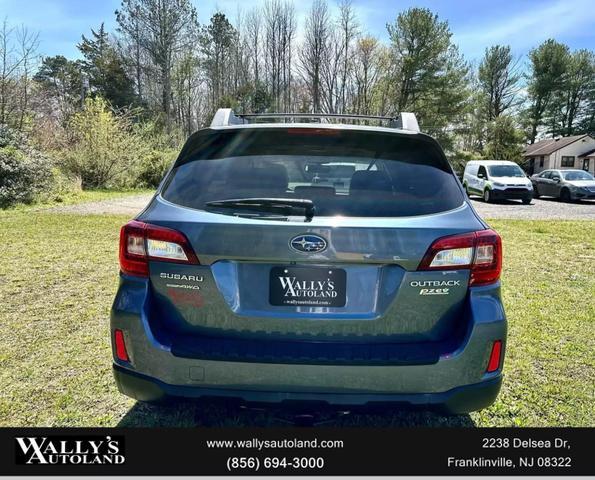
{"x": 539, "y": 209}
{"x": 130, "y": 205}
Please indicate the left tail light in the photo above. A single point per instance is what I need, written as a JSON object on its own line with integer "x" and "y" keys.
{"x": 480, "y": 252}
{"x": 141, "y": 242}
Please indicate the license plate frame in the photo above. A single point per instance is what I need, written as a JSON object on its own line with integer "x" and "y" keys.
{"x": 304, "y": 286}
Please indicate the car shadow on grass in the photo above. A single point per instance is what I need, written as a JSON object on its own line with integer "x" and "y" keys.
{"x": 184, "y": 413}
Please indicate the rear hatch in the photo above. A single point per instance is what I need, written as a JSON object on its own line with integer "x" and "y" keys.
{"x": 327, "y": 253}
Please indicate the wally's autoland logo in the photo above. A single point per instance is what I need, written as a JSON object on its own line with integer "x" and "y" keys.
{"x": 70, "y": 450}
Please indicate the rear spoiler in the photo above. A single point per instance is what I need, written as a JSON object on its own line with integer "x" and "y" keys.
{"x": 225, "y": 117}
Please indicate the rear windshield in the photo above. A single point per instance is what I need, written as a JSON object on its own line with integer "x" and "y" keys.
{"x": 344, "y": 172}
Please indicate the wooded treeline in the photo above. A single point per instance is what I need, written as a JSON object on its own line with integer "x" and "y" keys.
{"x": 163, "y": 70}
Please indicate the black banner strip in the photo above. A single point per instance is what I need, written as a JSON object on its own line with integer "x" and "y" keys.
{"x": 297, "y": 451}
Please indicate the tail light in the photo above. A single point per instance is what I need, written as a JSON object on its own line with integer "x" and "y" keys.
{"x": 141, "y": 242}
{"x": 494, "y": 362}
{"x": 480, "y": 252}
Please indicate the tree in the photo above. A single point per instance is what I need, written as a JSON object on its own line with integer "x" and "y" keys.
{"x": 254, "y": 33}
{"x": 587, "y": 122}
{"x": 216, "y": 41}
{"x": 313, "y": 53}
{"x": 18, "y": 56}
{"x": 240, "y": 72}
{"x": 331, "y": 67}
{"x": 259, "y": 93}
{"x": 367, "y": 72}
{"x": 163, "y": 29}
{"x": 419, "y": 42}
{"x": 348, "y": 27}
{"x": 429, "y": 74}
{"x": 9, "y": 64}
{"x": 279, "y": 30}
{"x": 129, "y": 24}
{"x": 499, "y": 81}
{"x": 185, "y": 81}
{"x": 571, "y": 104}
{"x": 505, "y": 140}
{"x": 549, "y": 64}
{"x": 105, "y": 70}
{"x": 60, "y": 78}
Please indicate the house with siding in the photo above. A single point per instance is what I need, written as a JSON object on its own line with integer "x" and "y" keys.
{"x": 577, "y": 151}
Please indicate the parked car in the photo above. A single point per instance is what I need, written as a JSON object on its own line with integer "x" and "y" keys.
{"x": 497, "y": 180}
{"x": 244, "y": 278}
{"x": 567, "y": 185}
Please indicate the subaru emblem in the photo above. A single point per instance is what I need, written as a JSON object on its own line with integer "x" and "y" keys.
{"x": 308, "y": 243}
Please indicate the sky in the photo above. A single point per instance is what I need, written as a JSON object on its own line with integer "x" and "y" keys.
{"x": 523, "y": 24}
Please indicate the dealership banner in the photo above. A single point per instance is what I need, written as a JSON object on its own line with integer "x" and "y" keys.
{"x": 297, "y": 451}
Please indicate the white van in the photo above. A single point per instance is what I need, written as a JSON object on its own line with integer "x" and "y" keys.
{"x": 497, "y": 180}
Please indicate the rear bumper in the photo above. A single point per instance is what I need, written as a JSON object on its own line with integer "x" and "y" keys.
{"x": 156, "y": 369}
{"x": 461, "y": 399}
{"x": 507, "y": 194}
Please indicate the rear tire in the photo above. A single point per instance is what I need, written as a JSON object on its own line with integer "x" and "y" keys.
{"x": 487, "y": 195}
{"x": 565, "y": 195}
{"x": 466, "y": 187}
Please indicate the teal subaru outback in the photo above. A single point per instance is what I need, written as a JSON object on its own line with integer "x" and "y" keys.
{"x": 310, "y": 258}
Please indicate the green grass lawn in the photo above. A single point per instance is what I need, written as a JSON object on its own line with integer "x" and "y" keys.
{"x": 58, "y": 275}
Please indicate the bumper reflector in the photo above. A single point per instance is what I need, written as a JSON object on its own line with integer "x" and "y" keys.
{"x": 494, "y": 363}
{"x": 121, "y": 352}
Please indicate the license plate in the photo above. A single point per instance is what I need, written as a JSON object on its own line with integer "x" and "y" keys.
{"x": 307, "y": 286}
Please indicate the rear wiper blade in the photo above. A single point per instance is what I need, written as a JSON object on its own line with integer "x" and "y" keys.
{"x": 282, "y": 206}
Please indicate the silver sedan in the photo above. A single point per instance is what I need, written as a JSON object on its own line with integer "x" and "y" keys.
{"x": 567, "y": 185}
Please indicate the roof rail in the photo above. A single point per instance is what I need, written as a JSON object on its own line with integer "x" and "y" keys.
{"x": 226, "y": 116}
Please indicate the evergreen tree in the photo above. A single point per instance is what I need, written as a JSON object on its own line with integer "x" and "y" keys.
{"x": 504, "y": 140}
{"x": 430, "y": 75}
{"x": 105, "y": 70}
{"x": 60, "y": 80}
{"x": 549, "y": 65}
{"x": 571, "y": 103}
{"x": 498, "y": 81}
{"x": 216, "y": 42}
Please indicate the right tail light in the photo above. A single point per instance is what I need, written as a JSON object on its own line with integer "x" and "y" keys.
{"x": 480, "y": 252}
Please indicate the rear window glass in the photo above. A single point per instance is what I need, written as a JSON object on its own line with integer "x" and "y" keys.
{"x": 344, "y": 172}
